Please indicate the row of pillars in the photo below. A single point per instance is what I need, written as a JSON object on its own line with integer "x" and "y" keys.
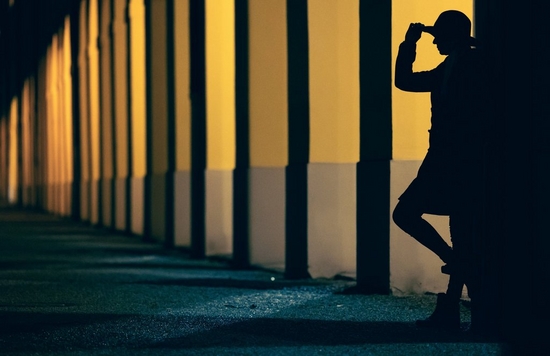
{"x": 113, "y": 112}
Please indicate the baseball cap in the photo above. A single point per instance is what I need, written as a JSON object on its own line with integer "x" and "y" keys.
{"x": 453, "y": 24}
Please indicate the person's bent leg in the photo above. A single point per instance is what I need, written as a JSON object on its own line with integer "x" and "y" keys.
{"x": 409, "y": 218}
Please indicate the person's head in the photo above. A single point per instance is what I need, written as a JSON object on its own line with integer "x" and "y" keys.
{"x": 451, "y": 30}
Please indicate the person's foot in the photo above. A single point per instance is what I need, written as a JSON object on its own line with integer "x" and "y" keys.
{"x": 447, "y": 269}
{"x": 446, "y": 314}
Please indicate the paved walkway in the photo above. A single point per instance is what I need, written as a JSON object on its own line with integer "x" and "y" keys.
{"x": 69, "y": 289}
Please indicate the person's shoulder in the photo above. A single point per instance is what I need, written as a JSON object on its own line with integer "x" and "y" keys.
{"x": 474, "y": 57}
{"x": 476, "y": 54}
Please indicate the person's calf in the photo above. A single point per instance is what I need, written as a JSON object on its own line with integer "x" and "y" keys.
{"x": 410, "y": 220}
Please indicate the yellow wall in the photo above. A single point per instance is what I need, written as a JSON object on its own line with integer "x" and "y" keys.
{"x": 334, "y": 80}
{"x": 93, "y": 85}
{"x": 106, "y": 92}
{"x": 52, "y": 119}
{"x": 120, "y": 59}
{"x": 220, "y": 84}
{"x": 67, "y": 101}
{"x": 4, "y": 169}
{"x": 137, "y": 77}
{"x": 13, "y": 176}
{"x": 159, "y": 88}
{"x": 26, "y": 136}
{"x": 182, "y": 84}
{"x": 411, "y": 111}
{"x": 83, "y": 92}
{"x": 268, "y": 83}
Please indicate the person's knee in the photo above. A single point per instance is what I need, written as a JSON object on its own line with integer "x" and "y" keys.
{"x": 401, "y": 215}
{"x": 406, "y": 215}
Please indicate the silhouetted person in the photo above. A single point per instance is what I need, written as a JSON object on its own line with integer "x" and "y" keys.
{"x": 449, "y": 179}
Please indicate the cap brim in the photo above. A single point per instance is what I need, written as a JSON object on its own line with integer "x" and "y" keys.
{"x": 432, "y": 31}
{"x": 429, "y": 29}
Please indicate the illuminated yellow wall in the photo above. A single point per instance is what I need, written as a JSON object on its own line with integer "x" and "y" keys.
{"x": 52, "y": 121}
{"x": 26, "y": 137}
{"x": 268, "y": 83}
{"x": 4, "y": 169}
{"x": 220, "y": 84}
{"x": 411, "y": 111}
{"x": 13, "y": 176}
{"x": 93, "y": 85}
{"x": 83, "y": 99}
{"x": 334, "y": 80}
{"x": 67, "y": 101}
{"x": 159, "y": 87}
{"x": 182, "y": 84}
{"x": 106, "y": 92}
{"x": 137, "y": 78}
{"x": 47, "y": 135}
{"x": 120, "y": 56}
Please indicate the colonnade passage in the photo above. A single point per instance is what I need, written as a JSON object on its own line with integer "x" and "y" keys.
{"x": 255, "y": 130}
{"x": 268, "y": 132}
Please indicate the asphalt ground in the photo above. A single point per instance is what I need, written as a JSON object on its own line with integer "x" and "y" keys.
{"x": 70, "y": 289}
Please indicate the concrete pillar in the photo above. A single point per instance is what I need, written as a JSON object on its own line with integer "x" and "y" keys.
{"x": 198, "y": 127}
{"x": 373, "y": 169}
{"x": 157, "y": 119}
{"x": 298, "y": 141}
{"x": 241, "y": 253}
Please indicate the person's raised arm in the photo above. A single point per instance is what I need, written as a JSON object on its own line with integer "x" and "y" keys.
{"x": 405, "y": 78}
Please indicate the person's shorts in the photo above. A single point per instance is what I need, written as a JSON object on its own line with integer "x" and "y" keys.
{"x": 441, "y": 186}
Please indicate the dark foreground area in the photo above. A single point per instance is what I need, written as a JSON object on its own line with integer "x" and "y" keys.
{"x": 70, "y": 289}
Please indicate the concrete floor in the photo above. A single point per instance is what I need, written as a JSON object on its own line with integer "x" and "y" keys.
{"x": 69, "y": 289}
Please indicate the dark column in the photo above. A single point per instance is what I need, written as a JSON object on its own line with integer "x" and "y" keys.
{"x": 373, "y": 169}
{"x": 75, "y": 82}
{"x": 198, "y": 128}
{"x": 540, "y": 32}
{"x": 298, "y": 141}
{"x": 147, "y": 205}
{"x": 241, "y": 258}
{"x": 486, "y": 306}
{"x": 170, "y": 184}
{"x": 516, "y": 243}
{"x": 128, "y": 188}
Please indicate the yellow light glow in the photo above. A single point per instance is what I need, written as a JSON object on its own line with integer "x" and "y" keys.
{"x": 4, "y": 168}
{"x": 220, "y": 84}
{"x": 83, "y": 96}
{"x": 411, "y": 111}
{"x": 93, "y": 70}
{"x": 138, "y": 82}
{"x": 268, "y": 83}
{"x": 106, "y": 92}
{"x": 182, "y": 83}
{"x": 13, "y": 153}
{"x": 67, "y": 101}
{"x": 334, "y": 80}
{"x": 26, "y": 136}
{"x": 52, "y": 102}
{"x": 120, "y": 60}
{"x": 158, "y": 88}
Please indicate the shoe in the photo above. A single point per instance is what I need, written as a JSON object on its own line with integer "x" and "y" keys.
{"x": 446, "y": 314}
{"x": 447, "y": 269}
